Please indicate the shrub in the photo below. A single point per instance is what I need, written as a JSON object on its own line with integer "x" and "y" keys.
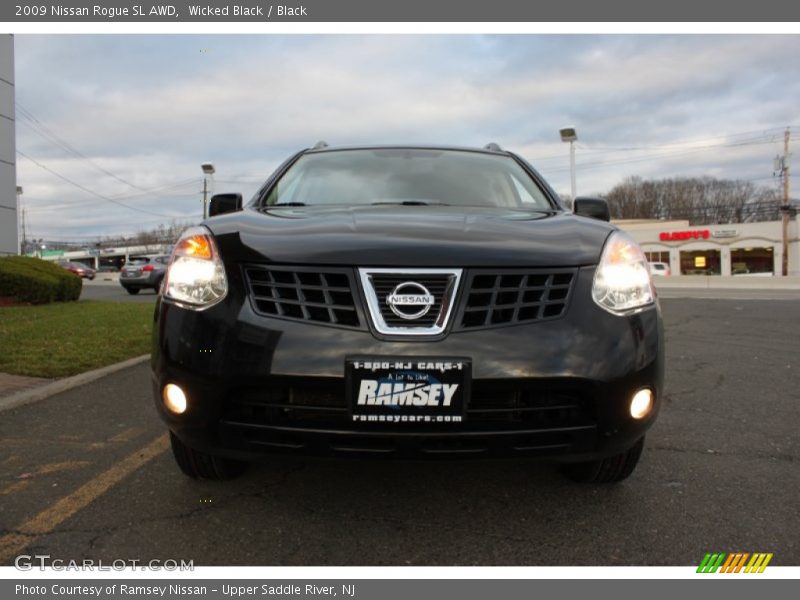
{"x": 26, "y": 279}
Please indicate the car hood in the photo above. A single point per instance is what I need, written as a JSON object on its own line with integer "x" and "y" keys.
{"x": 409, "y": 236}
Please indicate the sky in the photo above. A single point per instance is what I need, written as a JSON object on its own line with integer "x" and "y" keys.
{"x": 112, "y": 129}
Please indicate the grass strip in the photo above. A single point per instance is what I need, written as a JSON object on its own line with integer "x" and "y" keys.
{"x": 62, "y": 339}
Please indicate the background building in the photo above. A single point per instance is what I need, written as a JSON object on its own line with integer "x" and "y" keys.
{"x": 114, "y": 258}
{"x": 9, "y": 243}
{"x": 730, "y": 249}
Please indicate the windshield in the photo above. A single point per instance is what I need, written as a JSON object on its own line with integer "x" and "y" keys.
{"x": 407, "y": 176}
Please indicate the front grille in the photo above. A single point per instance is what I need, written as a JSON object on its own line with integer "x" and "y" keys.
{"x": 415, "y": 318}
{"x": 315, "y": 403}
{"x": 304, "y": 294}
{"x": 490, "y": 298}
{"x": 537, "y": 406}
{"x": 384, "y": 285}
{"x": 311, "y": 416}
{"x": 514, "y": 296}
{"x": 493, "y": 405}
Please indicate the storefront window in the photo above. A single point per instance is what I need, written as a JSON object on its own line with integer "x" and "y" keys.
{"x": 700, "y": 262}
{"x": 745, "y": 261}
{"x": 658, "y": 256}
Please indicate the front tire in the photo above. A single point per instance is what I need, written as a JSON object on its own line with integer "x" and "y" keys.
{"x": 607, "y": 470}
{"x": 132, "y": 291}
{"x": 199, "y": 465}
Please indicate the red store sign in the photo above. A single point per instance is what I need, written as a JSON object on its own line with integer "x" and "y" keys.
{"x": 676, "y": 236}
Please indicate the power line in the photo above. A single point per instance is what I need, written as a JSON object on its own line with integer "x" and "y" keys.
{"x": 240, "y": 181}
{"x": 105, "y": 238}
{"x": 692, "y": 148}
{"x": 764, "y": 137}
{"x": 165, "y": 187}
{"x": 92, "y": 192}
{"x": 46, "y": 133}
{"x": 688, "y": 144}
{"x": 41, "y": 129}
{"x": 621, "y": 161}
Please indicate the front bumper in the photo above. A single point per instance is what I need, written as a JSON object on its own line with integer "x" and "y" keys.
{"x": 258, "y": 385}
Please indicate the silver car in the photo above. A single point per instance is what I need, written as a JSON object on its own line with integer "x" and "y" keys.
{"x": 142, "y": 272}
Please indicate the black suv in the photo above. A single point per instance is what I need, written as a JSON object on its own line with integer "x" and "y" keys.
{"x": 407, "y": 302}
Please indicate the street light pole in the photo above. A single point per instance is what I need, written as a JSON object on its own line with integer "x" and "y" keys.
{"x": 568, "y": 134}
{"x": 572, "y": 167}
{"x": 208, "y": 170}
{"x": 205, "y": 197}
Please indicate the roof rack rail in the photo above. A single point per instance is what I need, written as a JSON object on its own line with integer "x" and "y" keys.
{"x": 319, "y": 145}
{"x": 492, "y": 147}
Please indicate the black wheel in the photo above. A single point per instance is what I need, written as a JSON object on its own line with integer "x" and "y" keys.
{"x": 132, "y": 291}
{"x": 607, "y": 470}
{"x": 199, "y": 465}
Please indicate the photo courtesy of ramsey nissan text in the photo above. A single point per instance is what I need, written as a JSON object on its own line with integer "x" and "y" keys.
{"x": 375, "y": 301}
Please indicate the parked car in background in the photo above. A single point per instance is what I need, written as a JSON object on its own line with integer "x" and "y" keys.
{"x": 660, "y": 268}
{"x": 81, "y": 270}
{"x": 143, "y": 272}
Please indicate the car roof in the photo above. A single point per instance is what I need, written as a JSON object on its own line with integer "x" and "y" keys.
{"x": 491, "y": 148}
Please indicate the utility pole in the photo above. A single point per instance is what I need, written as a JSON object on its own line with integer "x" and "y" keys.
{"x": 20, "y": 205}
{"x": 785, "y": 209}
{"x": 24, "y": 235}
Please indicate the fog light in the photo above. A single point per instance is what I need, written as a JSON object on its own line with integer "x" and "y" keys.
{"x": 174, "y": 398}
{"x": 641, "y": 403}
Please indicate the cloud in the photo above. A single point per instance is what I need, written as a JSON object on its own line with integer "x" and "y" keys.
{"x": 150, "y": 109}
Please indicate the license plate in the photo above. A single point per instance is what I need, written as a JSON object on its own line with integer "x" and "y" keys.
{"x": 407, "y": 390}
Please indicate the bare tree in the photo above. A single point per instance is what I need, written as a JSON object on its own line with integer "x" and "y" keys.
{"x": 701, "y": 200}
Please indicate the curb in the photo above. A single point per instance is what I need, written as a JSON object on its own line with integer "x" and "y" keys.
{"x": 67, "y": 383}
{"x": 724, "y": 282}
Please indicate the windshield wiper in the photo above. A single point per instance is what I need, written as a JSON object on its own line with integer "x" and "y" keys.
{"x": 411, "y": 203}
{"x": 279, "y": 204}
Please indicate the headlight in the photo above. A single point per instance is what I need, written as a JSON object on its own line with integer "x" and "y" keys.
{"x": 196, "y": 276}
{"x": 622, "y": 280}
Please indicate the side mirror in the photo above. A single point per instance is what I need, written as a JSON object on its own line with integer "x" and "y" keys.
{"x": 594, "y": 208}
{"x": 224, "y": 203}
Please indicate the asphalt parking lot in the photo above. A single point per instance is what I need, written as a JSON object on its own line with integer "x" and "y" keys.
{"x": 113, "y": 291}
{"x": 87, "y": 474}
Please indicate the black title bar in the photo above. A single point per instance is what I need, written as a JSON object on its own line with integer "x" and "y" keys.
{"x": 460, "y": 11}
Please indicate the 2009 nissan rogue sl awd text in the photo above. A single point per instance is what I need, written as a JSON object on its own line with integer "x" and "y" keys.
{"x": 407, "y": 302}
